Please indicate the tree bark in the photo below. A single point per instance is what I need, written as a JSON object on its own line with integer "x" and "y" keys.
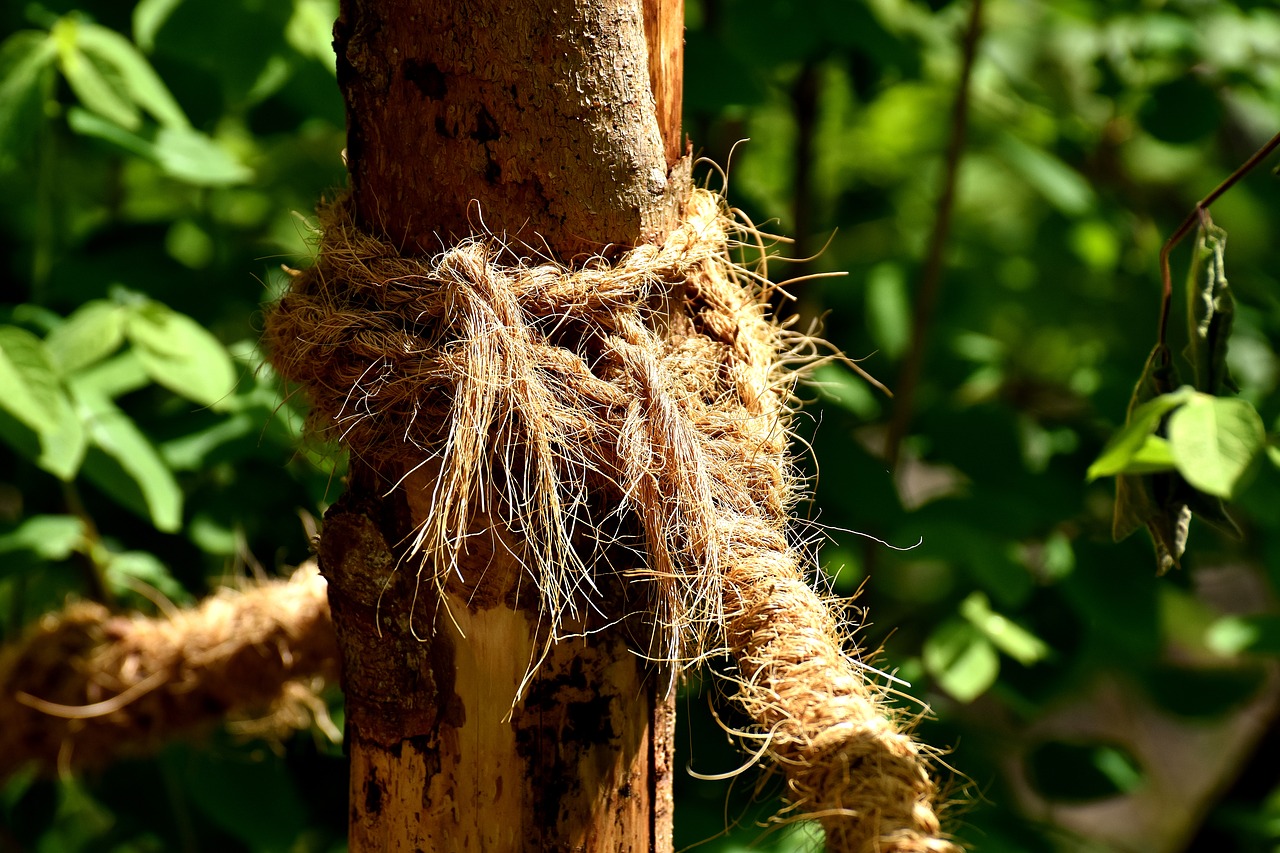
{"x": 555, "y": 123}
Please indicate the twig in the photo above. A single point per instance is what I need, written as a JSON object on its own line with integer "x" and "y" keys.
{"x": 1202, "y": 207}
{"x": 931, "y": 277}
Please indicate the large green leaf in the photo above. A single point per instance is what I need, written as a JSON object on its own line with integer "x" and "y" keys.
{"x": 128, "y": 467}
{"x": 191, "y": 156}
{"x": 182, "y": 152}
{"x": 26, "y": 64}
{"x": 40, "y": 539}
{"x": 1214, "y": 440}
{"x": 32, "y": 393}
{"x": 90, "y": 334}
{"x": 98, "y": 86}
{"x": 1130, "y": 446}
{"x": 182, "y": 355}
{"x": 140, "y": 81}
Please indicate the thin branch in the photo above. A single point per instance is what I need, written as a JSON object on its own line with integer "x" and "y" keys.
{"x": 931, "y": 276}
{"x": 1202, "y": 207}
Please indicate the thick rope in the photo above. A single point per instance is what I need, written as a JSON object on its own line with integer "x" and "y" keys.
{"x": 84, "y": 685}
{"x": 654, "y": 387}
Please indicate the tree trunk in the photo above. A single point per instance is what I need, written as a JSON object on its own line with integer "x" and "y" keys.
{"x": 554, "y": 123}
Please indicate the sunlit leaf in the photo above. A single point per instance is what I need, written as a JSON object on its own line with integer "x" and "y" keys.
{"x": 141, "y": 83}
{"x": 1062, "y": 186}
{"x": 191, "y": 156}
{"x": 31, "y": 391}
{"x": 148, "y": 17}
{"x": 90, "y": 334}
{"x": 1132, "y": 439}
{"x": 181, "y": 355}
{"x": 840, "y": 386}
{"x": 962, "y": 659}
{"x": 136, "y": 475}
{"x": 1008, "y": 636}
{"x": 124, "y": 570}
{"x": 1214, "y": 440}
{"x": 86, "y": 123}
{"x": 41, "y": 538}
{"x": 26, "y": 64}
{"x": 98, "y": 87}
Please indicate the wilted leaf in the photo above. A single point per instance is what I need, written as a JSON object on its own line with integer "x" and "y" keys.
{"x": 1210, "y": 312}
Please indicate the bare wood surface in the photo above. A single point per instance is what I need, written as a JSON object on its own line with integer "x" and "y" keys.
{"x": 524, "y": 118}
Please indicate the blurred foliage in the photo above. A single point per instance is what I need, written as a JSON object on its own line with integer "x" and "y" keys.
{"x": 153, "y": 159}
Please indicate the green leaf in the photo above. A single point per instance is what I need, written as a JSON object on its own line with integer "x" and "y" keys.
{"x": 1234, "y": 635}
{"x": 141, "y": 83}
{"x": 1210, "y": 311}
{"x": 962, "y": 659}
{"x": 128, "y": 467}
{"x": 1132, "y": 439}
{"x": 838, "y": 385}
{"x": 189, "y": 452}
{"x": 99, "y": 88}
{"x": 310, "y": 30}
{"x": 191, "y": 156}
{"x": 90, "y": 334}
{"x": 33, "y": 394}
{"x": 1082, "y": 772}
{"x": 86, "y": 123}
{"x": 255, "y": 802}
{"x": 114, "y": 377}
{"x": 123, "y": 569}
{"x": 181, "y": 355}
{"x": 1153, "y": 456}
{"x": 1059, "y": 184}
{"x": 1214, "y": 440}
{"x": 26, "y": 65}
{"x": 149, "y": 16}
{"x": 889, "y": 308}
{"x": 48, "y": 538}
{"x": 1008, "y": 636}
{"x": 182, "y": 153}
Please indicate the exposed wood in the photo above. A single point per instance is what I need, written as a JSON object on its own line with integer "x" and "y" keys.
{"x": 536, "y": 120}
{"x": 530, "y": 118}
{"x": 664, "y": 31}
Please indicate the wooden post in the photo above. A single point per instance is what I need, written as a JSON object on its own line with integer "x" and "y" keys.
{"x": 555, "y": 123}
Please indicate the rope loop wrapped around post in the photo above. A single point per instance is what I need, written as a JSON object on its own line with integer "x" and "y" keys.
{"x": 642, "y": 402}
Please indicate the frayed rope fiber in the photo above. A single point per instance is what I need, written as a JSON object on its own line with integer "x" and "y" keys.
{"x": 84, "y": 685}
{"x": 648, "y": 394}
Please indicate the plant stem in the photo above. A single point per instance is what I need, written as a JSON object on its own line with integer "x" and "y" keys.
{"x": 931, "y": 277}
{"x": 1202, "y": 207}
